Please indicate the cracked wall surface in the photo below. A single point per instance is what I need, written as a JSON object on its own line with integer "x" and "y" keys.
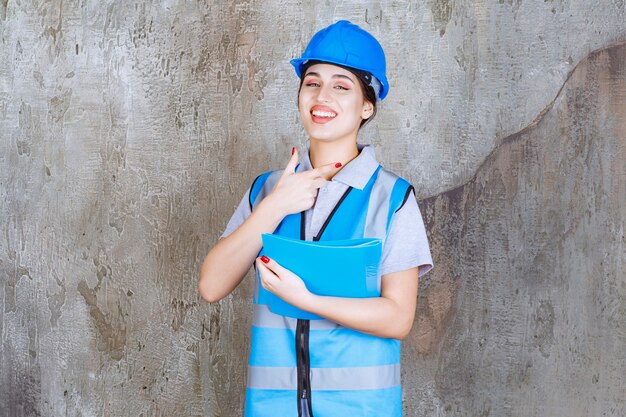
{"x": 524, "y": 315}
{"x": 130, "y": 130}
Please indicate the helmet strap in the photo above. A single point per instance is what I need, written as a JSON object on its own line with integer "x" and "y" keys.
{"x": 376, "y": 86}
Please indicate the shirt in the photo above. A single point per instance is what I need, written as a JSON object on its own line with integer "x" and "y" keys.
{"x": 406, "y": 245}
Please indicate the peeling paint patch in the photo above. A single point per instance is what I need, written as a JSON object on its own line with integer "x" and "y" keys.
{"x": 441, "y": 11}
{"x": 181, "y": 309}
{"x": 23, "y": 148}
{"x": 543, "y": 327}
{"x": 3, "y": 9}
{"x": 111, "y": 340}
{"x": 58, "y": 105}
{"x": 56, "y": 302}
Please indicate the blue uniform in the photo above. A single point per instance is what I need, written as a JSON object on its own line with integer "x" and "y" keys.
{"x": 317, "y": 367}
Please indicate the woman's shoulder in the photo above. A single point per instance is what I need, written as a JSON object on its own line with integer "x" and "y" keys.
{"x": 391, "y": 179}
{"x": 263, "y": 184}
{"x": 391, "y": 174}
{"x": 267, "y": 177}
{"x": 397, "y": 188}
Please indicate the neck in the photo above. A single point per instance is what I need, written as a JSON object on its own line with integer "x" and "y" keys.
{"x": 323, "y": 153}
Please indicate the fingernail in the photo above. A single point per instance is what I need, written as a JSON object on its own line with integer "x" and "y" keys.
{"x": 293, "y": 150}
{"x": 265, "y": 259}
{"x": 338, "y": 165}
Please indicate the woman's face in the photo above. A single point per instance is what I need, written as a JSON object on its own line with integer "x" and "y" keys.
{"x": 331, "y": 103}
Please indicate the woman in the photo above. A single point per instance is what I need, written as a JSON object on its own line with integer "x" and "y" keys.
{"x": 348, "y": 363}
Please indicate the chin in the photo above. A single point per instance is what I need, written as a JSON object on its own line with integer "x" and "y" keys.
{"x": 326, "y": 135}
{"x": 321, "y": 137}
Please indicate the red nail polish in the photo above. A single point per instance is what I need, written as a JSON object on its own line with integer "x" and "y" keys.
{"x": 293, "y": 150}
{"x": 265, "y": 259}
{"x": 338, "y": 165}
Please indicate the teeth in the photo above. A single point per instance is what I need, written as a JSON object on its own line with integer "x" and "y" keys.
{"x": 319, "y": 113}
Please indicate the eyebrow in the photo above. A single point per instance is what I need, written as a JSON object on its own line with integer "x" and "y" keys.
{"x": 334, "y": 76}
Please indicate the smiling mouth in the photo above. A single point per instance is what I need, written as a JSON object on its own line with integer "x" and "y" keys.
{"x": 324, "y": 114}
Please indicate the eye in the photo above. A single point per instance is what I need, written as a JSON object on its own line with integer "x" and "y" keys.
{"x": 341, "y": 87}
{"x": 311, "y": 84}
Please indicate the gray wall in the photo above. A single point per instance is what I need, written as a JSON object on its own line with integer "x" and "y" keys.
{"x": 130, "y": 130}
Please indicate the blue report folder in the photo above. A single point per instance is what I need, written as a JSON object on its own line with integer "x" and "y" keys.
{"x": 340, "y": 268}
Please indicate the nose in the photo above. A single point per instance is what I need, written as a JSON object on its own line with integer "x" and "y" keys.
{"x": 324, "y": 93}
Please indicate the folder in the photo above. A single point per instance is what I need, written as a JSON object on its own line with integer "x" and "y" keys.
{"x": 340, "y": 268}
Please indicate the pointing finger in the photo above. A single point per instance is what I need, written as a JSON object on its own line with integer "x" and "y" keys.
{"x": 327, "y": 171}
{"x": 320, "y": 182}
{"x": 293, "y": 162}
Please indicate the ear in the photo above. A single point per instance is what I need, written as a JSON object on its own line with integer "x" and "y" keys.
{"x": 368, "y": 110}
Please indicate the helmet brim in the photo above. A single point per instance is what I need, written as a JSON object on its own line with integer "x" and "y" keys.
{"x": 298, "y": 63}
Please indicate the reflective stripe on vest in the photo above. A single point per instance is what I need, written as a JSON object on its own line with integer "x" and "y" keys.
{"x": 351, "y": 373}
{"x": 354, "y": 378}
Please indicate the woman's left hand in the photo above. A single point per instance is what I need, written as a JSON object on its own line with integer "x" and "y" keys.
{"x": 283, "y": 283}
{"x": 391, "y": 315}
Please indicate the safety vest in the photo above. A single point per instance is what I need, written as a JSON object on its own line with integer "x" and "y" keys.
{"x": 318, "y": 368}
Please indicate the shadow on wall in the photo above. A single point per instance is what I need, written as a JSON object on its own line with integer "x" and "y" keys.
{"x": 530, "y": 285}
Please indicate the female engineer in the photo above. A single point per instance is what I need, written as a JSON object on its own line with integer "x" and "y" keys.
{"x": 347, "y": 364}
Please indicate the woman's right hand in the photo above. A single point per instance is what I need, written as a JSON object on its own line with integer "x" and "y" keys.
{"x": 296, "y": 192}
{"x": 228, "y": 262}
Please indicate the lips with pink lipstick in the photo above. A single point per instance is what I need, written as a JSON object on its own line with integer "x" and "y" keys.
{"x": 322, "y": 114}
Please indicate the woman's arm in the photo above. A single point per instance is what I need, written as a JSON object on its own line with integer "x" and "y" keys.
{"x": 390, "y": 315}
{"x": 230, "y": 259}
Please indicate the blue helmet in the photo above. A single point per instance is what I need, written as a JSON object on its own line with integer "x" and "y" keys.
{"x": 346, "y": 44}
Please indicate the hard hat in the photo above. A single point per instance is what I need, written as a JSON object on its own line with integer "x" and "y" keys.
{"x": 346, "y": 44}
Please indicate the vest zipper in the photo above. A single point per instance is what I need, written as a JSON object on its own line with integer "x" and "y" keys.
{"x": 302, "y": 354}
{"x": 302, "y": 331}
{"x": 304, "y": 369}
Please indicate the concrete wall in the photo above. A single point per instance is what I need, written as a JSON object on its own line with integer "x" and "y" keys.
{"x": 525, "y": 314}
{"x": 130, "y": 130}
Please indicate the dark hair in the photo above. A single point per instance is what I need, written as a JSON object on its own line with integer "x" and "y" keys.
{"x": 364, "y": 78}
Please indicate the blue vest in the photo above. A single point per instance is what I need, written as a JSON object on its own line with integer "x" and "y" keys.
{"x": 319, "y": 368}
